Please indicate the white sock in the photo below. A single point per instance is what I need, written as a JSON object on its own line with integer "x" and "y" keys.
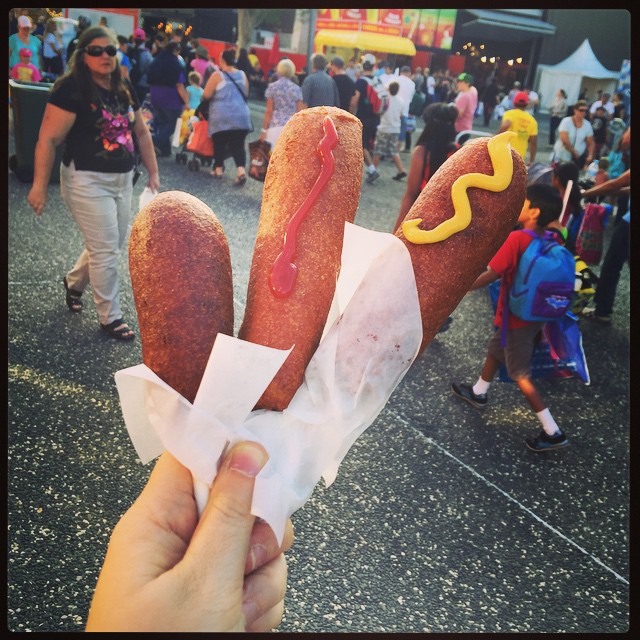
{"x": 480, "y": 387}
{"x": 371, "y": 168}
{"x": 548, "y": 423}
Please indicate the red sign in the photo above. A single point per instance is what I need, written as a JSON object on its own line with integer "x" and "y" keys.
{"x": 390, "y": 17}
{"x": 425, "y": 27}
{"x": 353, "y": 14}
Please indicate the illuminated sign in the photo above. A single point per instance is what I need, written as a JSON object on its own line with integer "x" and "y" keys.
{"x": 425, "y": 27}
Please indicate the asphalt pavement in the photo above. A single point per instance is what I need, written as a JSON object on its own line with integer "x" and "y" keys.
{"x": 440, "y": 520}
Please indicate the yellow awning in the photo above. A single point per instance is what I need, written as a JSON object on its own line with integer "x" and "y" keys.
{"x": 365, "y": 41}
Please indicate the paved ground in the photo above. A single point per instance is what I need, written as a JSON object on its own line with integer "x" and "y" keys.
{"x": 440, "y": 520}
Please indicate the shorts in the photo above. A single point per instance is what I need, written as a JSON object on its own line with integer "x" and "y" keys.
{"x": 386, "y": 144}
{"x": 517, "y": 353}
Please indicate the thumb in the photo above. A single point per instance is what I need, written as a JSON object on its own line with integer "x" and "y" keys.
{"x": 221, "y": 540}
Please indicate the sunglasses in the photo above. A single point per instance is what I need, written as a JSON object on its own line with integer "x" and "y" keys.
{"x": 96, "y": 51}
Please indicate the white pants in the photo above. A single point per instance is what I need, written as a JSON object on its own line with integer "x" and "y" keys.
{"x": 273, "y": 133}
{"x": 100, "y": 203}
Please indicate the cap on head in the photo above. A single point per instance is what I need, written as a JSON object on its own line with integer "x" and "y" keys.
{"x": 521, "y": 99}
{"x": 25, "y": 52}
{"x": 24, "y": 21}
{"x": 466, "y": 77}
{"x": 139, "y": 34}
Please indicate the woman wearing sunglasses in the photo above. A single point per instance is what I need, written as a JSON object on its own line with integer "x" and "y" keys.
{"x": 95, "y": 113}
{"x": 575, "y": 141}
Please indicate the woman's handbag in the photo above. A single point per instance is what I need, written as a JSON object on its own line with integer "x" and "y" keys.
{"x": 259, "y": 152}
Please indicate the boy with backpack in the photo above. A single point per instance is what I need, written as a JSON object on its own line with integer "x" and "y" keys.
{"x": 515, "y": 338}
{"x": 368, "y": 102}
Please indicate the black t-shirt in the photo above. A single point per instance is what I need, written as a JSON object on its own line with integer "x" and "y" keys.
{"x": 346, "y": 89}
{"x": 599, "y": 125}
{"x": 101, "y": 138}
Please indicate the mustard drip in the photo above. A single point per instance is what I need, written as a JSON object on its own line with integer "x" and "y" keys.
{"x": 500, "y": 154}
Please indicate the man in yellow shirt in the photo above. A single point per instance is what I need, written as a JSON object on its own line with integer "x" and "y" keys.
{"x": 524, "y": 125}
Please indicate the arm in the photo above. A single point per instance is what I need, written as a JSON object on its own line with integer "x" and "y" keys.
{"x": 56, "y": 124}
{"x": 268, "y": 113}
{"x": 533, "y": 148}
{"x": 183, "y": 94}
{"x": 564, "y": 138}
{"x": 147, "y": 153}
{"x": 611, "y": 186}
{"x": 591, "y": 148}
{"x": 484, "y": 279}
{"x": 504, "y": 126}
{"x": 414, "y": 180}
{"x": 210, "y": 88}
{"x": 353, "y": 107}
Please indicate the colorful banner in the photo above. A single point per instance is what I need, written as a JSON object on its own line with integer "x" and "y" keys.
{"x": 425, "y": 27}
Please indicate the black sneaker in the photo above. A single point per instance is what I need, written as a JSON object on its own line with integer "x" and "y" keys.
{"x": 399, "y": 176}
{"x": 372, "y": 176}
{"x": 544, "y": 442}
{"x": 465, "y": 392}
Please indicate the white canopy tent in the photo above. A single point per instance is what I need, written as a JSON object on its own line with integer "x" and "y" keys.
{"x": 580, "y": 70}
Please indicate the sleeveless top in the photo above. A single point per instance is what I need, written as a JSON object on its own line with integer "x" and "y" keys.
{"x": 228, "y": 108}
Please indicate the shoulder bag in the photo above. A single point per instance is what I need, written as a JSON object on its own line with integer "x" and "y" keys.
{"x": 237, "y": 86}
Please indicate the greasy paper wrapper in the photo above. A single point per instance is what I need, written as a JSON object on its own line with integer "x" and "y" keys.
{"x": 371, "y": 337}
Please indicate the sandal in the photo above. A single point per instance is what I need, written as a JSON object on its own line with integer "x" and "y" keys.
{"x": 74, "y": 301}
{"x": 240, "y": 180}
{"x": 119, "y": 330}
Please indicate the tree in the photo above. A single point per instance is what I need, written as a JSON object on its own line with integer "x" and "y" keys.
{"x": 250, "y": 19}
{"x": 271, "y": 19}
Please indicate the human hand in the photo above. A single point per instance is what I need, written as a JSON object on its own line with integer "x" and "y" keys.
{"x": 167, "y": 571}
{"x": 37, "y": 198}
{"x": 154, "y": 182}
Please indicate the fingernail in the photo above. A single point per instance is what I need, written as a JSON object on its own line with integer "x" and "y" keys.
{"x": 257, "y": 556}
{"x": 247, "y": 458}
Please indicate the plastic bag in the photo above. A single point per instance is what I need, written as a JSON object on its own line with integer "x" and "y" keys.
{"x": 559, "y": 354}
{"x": 175, "y": 139}
{"x": 146, "y": 197}
{"x": 259, "y": 152}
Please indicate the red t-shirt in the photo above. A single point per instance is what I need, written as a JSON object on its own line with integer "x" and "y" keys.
{"x": 505, "y": 262}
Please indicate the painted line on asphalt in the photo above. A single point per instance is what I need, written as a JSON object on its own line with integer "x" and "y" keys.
{"x": 512, "y": 499}
{"x": 504, "y": 493}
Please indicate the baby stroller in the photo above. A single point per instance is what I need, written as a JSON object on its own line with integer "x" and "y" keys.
{"x": 198, "y": 141}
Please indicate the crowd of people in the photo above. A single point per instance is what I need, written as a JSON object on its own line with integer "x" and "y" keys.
{"x": 94, "y": 109}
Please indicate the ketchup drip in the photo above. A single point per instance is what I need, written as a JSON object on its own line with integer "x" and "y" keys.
{"x": 283, "y": 275}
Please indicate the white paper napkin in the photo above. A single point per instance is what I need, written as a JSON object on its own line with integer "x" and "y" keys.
{"x": 372, "y": 336}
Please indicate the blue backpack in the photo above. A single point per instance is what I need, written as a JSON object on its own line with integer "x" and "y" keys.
{"x": 543, "y": 286}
